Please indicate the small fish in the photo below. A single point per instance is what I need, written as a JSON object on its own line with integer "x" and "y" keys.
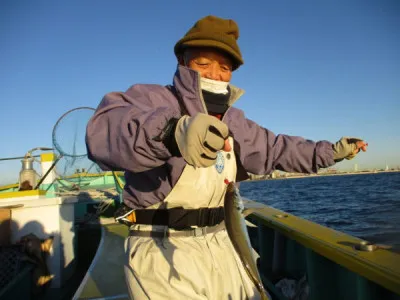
{"x": 237, "y": 231}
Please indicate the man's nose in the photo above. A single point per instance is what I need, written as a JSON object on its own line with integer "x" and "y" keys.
{"x": 213, "y": 72}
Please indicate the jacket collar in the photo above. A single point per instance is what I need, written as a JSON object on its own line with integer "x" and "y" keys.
{"x": 187, "y": 85}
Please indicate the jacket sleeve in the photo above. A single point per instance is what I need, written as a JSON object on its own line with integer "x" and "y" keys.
{"x": 261, "y": 151}
{"x": 125, "y": 133}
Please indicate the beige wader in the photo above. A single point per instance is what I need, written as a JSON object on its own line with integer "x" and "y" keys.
{"x": 204, "y": 266}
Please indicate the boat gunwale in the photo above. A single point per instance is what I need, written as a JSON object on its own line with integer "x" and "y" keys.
{"x": 374, "y": 266}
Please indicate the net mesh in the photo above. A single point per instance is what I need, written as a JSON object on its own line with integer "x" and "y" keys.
{"x": 76, "y": 174}
{"x": 10, "y": 263}
{"x": 74, "y": 169}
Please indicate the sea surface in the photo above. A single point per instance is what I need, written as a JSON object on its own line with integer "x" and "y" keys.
{"x": 363, "y": 205}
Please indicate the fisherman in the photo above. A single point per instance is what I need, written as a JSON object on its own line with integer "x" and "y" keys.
{"x": 178, "y": 145}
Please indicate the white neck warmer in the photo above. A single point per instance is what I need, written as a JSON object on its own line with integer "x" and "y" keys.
{"x": 214, "y": 86}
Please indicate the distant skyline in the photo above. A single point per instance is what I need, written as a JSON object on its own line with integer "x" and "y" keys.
{"x": 317, "y": 69}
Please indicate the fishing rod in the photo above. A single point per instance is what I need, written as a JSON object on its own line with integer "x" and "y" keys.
{"x": 16, "y": 157}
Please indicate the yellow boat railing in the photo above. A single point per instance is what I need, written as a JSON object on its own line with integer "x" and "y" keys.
{"x": 276, "y": 229}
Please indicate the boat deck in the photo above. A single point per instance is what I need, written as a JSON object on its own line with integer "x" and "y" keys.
{"x": 105, "y": 276}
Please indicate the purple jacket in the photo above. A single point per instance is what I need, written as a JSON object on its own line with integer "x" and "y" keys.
{"x": 120, "y": 136}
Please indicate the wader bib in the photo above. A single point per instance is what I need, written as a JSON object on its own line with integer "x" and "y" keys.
{"x": 201, "y": 266}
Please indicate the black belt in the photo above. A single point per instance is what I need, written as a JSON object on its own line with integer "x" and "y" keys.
{"x": 177, "y": 217}
{"x": 199, "y": 231}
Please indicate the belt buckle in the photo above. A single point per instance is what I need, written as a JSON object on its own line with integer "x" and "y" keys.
{"x": 199, "y": 231}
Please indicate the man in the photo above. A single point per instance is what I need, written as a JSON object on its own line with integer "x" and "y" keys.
{"x": 178, "y": 145}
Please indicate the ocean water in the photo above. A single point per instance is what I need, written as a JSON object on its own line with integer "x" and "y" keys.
{"x": 363, "y": 205}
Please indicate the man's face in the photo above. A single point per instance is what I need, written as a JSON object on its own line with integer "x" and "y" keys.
{"x": 211, "y": 63}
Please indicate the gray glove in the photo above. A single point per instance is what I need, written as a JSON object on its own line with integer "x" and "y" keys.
{"x": 199, "y": 138}
{"x": 345, "y": 148}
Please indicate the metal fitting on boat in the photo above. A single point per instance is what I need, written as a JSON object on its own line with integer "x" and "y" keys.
{"x": 27, "y": 175}
{"x": 365, "y": 246}
{"x": 281, "y": 216}
{"x": 370, "y": 247}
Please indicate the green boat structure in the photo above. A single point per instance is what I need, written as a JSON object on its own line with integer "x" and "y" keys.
{"x": 297, "y": 259}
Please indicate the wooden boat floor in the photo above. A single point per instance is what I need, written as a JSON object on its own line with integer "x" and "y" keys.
{"x": 105, "y": 277}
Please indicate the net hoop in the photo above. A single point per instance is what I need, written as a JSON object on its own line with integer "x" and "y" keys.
{"x": 54, "y": 133}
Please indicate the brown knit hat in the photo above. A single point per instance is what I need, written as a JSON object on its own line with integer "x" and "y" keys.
{"x": 214, "y": 32}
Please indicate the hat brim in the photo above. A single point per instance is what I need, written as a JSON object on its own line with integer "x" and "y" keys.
{"x": 237, "y": 60}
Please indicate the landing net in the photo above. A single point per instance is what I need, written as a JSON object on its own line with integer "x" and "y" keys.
{"x": 74, "y": 169}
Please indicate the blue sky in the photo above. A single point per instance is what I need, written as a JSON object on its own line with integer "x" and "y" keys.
{"x": 317, "y": 69}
